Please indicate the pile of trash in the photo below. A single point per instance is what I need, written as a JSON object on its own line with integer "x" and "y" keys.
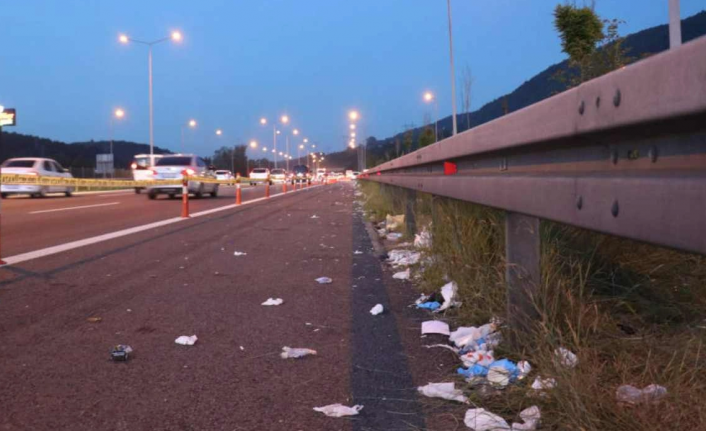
{"x": 397, "y": 258}
{"x": 440, "y": 301}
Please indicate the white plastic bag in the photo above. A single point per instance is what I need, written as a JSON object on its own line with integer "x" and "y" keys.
{"x": 339, "y": 410}
{"x": 446, "y": 391}
{"x": 566, "y": 357}
{"x": 632, "y": 395}
{"x": 541, "y": 384}
{"x": 324, "y": 280}
{"x": 402, "y": 275}
{"x": 466, "y": 335}
{"x": 530, "y": 416}
{"x": 293, "y": 353}
{"x": 483, "y": 420}
{"x": 377, "y": 310}
{"x": 448, "y": 291}
{"x": 185, "y": 340}
{"x": 272, "y": 301}
{"x": 239, "y": 253}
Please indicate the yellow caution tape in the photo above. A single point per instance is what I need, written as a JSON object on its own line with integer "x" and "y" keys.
{"x": 108, "y": 183}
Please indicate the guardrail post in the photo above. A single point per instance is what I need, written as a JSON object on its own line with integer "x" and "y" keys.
{"x": 267, "y": 189}
{"x": 185, "y": 196}
{"x": 409, "y": 209}
{"x": 522, "y": 271}
{"x": 284, "y": 186}
{"x": 238, "y": 196}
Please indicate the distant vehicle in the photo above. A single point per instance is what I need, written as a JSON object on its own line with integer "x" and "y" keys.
{"x": 349, "y": 173}
{"x": 34, "y": 166}
{"x": 356, "y": 174}
{"x": 320, "y": 173}
{"x": 142, "y": 168}
{"x": 260, "y": 175}
{"x": 171, "y": 168}
{"x": 278, "y": 175}
{"x": 224, "y": 175}
{"x": 300, "y": 174}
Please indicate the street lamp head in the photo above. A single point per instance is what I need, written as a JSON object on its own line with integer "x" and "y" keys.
{"x": 274, "y": 151}
{"x": 177, "y": 36}
{"x": 264, "y": 148}
{"x": 219, "y": 132}
{"x": 428, "y": 96}
{"x": 253, "y": 144}
{"x": 301, "y": 147}
{"x": 284, "y": 119}
{"x": 353, "y": 115}
{"x": 306, "y": 140}
{"x": 263, "y": 121}
{"x": 352, "y": 134}
{"x": 295, "y": 131}
{"x": 119, "y": 113}
{"x": 192, "y": 123}
{"x": 123, "y": 38}
{"x": 352, "y": 126}
{"x": 281, "y": 153}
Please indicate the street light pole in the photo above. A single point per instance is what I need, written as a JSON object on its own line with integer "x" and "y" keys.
{"x": 453, "y": 75}
{"x": 151, "y": 105}
{"x": 674, "y": 24}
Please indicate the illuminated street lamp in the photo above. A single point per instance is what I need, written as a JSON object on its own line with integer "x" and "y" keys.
{"x": 174, "y": 36}
{"x": 191, "y": 124}
{"x": 353, "y": 115}
{"x": 352, "y": 126}
{"x": 253, "y": 144}
{"x": 428, "y": 98}
{"x": 219, "y": 132}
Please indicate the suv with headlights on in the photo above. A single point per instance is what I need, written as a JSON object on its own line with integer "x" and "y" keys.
{"x": 300, "y": 174}
{"x": 171, "y": 168}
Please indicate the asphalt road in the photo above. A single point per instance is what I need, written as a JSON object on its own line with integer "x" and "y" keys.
{"x": 184, "y": 279}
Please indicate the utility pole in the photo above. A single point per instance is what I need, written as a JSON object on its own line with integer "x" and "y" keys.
{"x": 674, "y": 24}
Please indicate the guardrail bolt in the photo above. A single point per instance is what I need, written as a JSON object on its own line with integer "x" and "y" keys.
{"x": 617, "y": 98}
{"x": 598, "y": 102}
{"x": 615, "y": 210}
{"x": 582, "y": 107}
{"x": 579, "y": 202}
{"x": 653, "y": 154}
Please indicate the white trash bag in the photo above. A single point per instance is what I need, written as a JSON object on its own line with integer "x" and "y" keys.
{"x": 530, "y": 416}
{"x": 483, "y": 420}
{"x": 402, "y": 275}
{"x": 272, "y": 301}
{"x": 293, "y": 353}
{"x": 446, "y": 391}
{"x": 324, "y": 280}
{"x": 339, "y": 410}
{"x": 186, "y": 340}
{"x": 377, "y": 310}
{"x": 631, "y": 395}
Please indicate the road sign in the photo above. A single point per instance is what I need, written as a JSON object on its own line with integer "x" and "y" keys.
{"x": 8, "y": 117}
{"x": 104, "y": 164}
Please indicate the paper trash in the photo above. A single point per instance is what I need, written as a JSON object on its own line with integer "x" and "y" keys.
{"x": 530, "y": 416}
{"x": 377, "y": 310}
{"x": 271, "y": 301}
{"x": 339, "y": 410}
{"x": 185, "y": 340}
{"x": 293, "y": 353}
{"x": 323, "y": 280}
{"x": 402, "y": 275}
{"x": 403, "y": 257}
{"x": 240, "y": 253}
{"x": 483, "y": 420}
{"x": 435, "y": 327}
{"x": 446, "y": 391}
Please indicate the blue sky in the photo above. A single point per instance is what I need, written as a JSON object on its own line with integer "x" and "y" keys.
{"x": 63, "y": 69}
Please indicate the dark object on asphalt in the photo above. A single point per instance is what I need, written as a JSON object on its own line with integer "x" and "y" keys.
{"x": 120, "y": 353}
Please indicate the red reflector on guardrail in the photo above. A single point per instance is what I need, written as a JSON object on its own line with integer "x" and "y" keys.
{"x": 450, "y": 168}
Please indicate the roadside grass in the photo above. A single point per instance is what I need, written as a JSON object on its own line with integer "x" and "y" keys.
{"x": 633, "y": 313}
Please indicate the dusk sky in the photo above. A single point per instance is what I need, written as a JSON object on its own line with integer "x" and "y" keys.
{"x": 62, "y": 67}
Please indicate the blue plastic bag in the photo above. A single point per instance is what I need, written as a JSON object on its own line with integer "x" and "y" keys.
{"x": 429, "y": 305}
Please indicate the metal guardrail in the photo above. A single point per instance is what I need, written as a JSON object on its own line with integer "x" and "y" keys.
{"x": 624, "y": 154}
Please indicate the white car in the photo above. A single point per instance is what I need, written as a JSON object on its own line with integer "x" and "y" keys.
{"x": 34, "y": 166}
{"x": 142, "y": 168}
{"x": 224, "y": 175}
{"x": 171, "y": 168}
{"x": 260, "y": 175}
{"x": 278, "y": 175}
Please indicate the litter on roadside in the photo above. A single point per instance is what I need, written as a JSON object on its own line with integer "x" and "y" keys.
{"x": 446, "y": 391}
{"x": 402, "y": 275}
{"x": 435, "y": 327}
{"x": 394, "y": 222}
{"x": 566, "y": 357}
{"x": 631, "y": 395}
{"x": 94, "y": 319}
{"x": 423, "y": 239}
{"x": 186, "y": 340}
{"x": 323, "y": 280}
{"x": 483, "y": 420}
{"x": 357, "y": 252}
{"x": 120, "y": 353}
{"x": 530, "y": 418}
{"x": 394, "y": 236}
{"x": 339, "y": 410}
{"x": 314, "y": 216}
{"x": 377, "y": 310}
{"x": 474, "y": 338}
{"x": 239, "y": 253}
{"x": 403, "y": 257}
{"x": 293, "y": 353}
{"x": 272, "y": 301}
{"x": 541, "y": 384}
{"x": 449, "y": 291}
{"x": 429, "y": 305}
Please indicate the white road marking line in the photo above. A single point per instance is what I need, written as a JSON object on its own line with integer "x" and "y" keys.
{"x": 24, "y": 257}
{"x": 118, "y": 194}
{"x": 73, "y": 208}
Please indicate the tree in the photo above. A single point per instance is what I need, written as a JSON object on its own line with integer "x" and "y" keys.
{"x": 426, "y": 137}
{"x": 231, "y": 158}
{"x": 594, "y": 46}
{"x": 466, "y": 87}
